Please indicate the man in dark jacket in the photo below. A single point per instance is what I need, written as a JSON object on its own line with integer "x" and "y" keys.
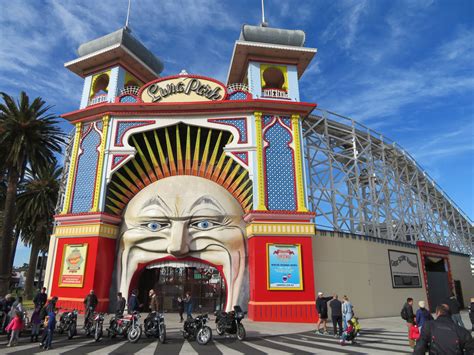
{"x": 471, "y": 313}
{"x": 336, "y": 315}
{"x": 90, "y": 303}
{"x": 455, "y": 309}
{"x": 322, "y": 308}
{"x": 121, "y": 303}
{"x": 40, "y": 298}
{"x": 409, "y": 317}
{"x": 133, "y": 304}
{"x": 444, "y": 337}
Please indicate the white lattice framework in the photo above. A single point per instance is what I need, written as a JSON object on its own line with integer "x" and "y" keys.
{"x": 363, "y": 183}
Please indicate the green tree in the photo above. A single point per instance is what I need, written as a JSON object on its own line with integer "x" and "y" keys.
{"x": 29, "y": 136}
{"x": 36, "y": 204}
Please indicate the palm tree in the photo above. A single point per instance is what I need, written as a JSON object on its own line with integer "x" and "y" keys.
{"x": 36, "y": 204}
{"x": 29, "y": 136}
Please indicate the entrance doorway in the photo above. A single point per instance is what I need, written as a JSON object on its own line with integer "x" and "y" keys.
{"x": 438, "y": 281}
{"x": 205, "y": 283}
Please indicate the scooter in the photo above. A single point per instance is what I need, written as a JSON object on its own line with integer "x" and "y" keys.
{"x": 68, "y": 323}
{"x": 230, "y": 323}
{"x": 154, "y": 326}
{"x": 196, "y": 328}
{"x": 128, "y": 326}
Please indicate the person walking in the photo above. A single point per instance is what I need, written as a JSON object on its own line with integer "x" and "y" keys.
{"x": 15, "y": 326}
{"x": 40, "y": 298}
{"x": 180, "y": 308}
{"x": 455, "y": 309}
{"x": 422, "y": 315}
{"x": 347, "y": 311}
{"x": 409, "y": 317}
{"x": 133, "y": 304}
{"x": 50, "y": 330}
{"x": 336, "y": 315}
{"x": 90, "y": 303}
{"x": 471, "y": 313}
{"x": 121, "y": 303}
{"x": 35, "y": 323}
{"x": 154, "y": 303}
{"x": 322, "y": 308}
{"x": 444, "y": 336}
{"x": 188, "y": 304}
{"x": 50, "y": 307}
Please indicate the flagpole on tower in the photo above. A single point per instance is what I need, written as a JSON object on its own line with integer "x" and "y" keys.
{"x": 264, "y": 23}
{"x": 128, "y": 14}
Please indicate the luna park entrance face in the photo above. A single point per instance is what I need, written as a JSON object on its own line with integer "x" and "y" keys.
{"x": 204, "y": 282}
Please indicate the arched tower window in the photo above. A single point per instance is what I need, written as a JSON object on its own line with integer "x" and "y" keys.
{"x": 100, "y": 85}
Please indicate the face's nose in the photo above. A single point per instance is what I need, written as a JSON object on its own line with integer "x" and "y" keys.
{"x": 178, "y": 245}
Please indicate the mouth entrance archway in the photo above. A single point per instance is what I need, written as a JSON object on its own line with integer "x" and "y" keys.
{"x": 171, "y": 280}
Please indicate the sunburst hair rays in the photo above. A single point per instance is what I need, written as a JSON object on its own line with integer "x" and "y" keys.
{"x": 178, "y": 150}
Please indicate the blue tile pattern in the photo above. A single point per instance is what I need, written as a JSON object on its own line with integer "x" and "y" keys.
{"x": 242, "y": 156}
{"x": 267, "y": 119}
{"x": 128, "y": 98}
{"x": 239, "y": 95}
{"x": 123, "y": 127}
{"x": 85, "y": 175}
{"x": 286, "y": 121}
{"x": 240, "y": 124}
{"x": 279, "y": 169}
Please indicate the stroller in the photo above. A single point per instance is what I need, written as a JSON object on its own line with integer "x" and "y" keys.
{"x": 351, "y": 332}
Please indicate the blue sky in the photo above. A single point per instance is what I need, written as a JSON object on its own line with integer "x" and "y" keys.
{"x": 404, "y": 68}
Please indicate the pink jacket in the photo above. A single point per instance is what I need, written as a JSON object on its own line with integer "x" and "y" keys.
{"x": 15, "y": 324}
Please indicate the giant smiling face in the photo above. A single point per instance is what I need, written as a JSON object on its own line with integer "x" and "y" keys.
{"x": 184, "y": 217}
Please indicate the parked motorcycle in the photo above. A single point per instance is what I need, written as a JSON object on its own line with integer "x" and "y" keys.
{"x": 196, "y": 328}
{"x": 127, "y": 325}
{"x": 154, "y": 326}
{"x": 230, "y": 322}
{"x": 94, "y": 326}
{"x": 68, "y": 323}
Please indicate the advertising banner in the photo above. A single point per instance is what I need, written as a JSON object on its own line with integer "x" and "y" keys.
{"x": 404, "y": 269}
{"x": 73, "y": 265}
{"x": 284, "y": 267}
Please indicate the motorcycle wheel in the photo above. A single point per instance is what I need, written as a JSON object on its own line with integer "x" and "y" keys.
{"x": 60, "y": 330}
{"x": 71, "y": 331}
{"x": 241, "y": 332}
{"x": 162, "y": 336}
{"x": 204, "y": 335}
{"x": 98, "y": 332}
{"x": 134, "y": 333}
{"x": 220, "y": 328}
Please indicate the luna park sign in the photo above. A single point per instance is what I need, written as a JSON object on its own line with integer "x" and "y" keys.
{"x": 183, "y": 89}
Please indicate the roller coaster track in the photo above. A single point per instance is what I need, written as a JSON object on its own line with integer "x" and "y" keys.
{"x": 363, "y": 183}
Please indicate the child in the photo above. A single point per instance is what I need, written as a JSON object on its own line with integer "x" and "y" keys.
{"x": 349, "y": 333}
{"x": 414, "y": 333}
{"x": 50, "y": 329}
{"x": 35, "y": 323}
{"x": 16, "y": 325}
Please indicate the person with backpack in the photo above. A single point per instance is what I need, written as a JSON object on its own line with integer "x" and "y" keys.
{"x": 422, "y": 315}
{"x": 444, "y": 337}
{"x": 455, "y": 309}
{"x": 409, "y": 317}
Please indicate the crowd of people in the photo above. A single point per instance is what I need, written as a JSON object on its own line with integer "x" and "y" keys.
{"x": 444, "y": 335}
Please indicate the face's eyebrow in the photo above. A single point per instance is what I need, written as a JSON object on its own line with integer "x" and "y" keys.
{"x": 158, "y": 202}
{"x": 206, "y": 201}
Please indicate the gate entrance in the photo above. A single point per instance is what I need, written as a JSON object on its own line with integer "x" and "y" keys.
{"x": 438, "y": 281}
{"x": 207, "y": 287}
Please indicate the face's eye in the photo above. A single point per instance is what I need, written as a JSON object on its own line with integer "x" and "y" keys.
{"x": 204, "y": 224}
{"x": 155, "y": 226}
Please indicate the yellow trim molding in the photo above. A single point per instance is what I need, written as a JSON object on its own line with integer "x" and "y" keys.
{"x": 278, "y": 229}
{"x": 261, "y": 181}
{"x": 72, "y": 168}
{"x": 295, "y": 120}
{"x": 100, "y": 165}
{"x": 87, "y": 230}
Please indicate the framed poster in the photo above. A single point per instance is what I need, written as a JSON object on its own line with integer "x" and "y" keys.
{"x": 404, "y": 269}
{"x": 73, "y": 265}
{"x": 284, "y": 267}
